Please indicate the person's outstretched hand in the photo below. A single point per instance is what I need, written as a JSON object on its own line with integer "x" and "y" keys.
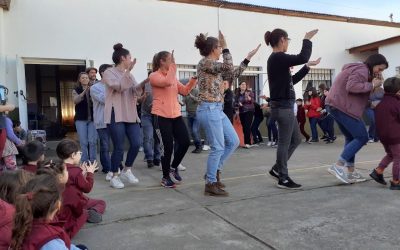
{"x": 314, "y": 63}
{"x": 310, "y": 34}
{"x": 253, "y": 52}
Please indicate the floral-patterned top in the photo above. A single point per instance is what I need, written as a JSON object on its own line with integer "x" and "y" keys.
{"x": 211, "y": 74}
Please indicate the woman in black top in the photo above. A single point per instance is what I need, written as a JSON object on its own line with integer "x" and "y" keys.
{"x": 283, "y": 97}
{"x": 228, "y": 101}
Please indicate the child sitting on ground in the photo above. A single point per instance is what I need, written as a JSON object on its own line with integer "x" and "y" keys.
{"x": 387, "y": 117}
{"x": 78, "y": 208}
{"x": 19, "y": 131}
{"x": 33, "y": 154}
{"x": 35, "y": 226}
{"x": 11, "y": 183}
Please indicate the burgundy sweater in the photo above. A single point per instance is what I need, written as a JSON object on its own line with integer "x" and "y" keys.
{"x": 387, "y": 117}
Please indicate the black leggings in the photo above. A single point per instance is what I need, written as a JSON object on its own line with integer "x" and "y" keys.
{"x": 246, "y": 119}
{"x": 170, "y": 130}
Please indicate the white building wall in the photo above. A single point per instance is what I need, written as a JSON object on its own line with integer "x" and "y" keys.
{"x": 392, "y": 54}
{"x": 87, "y": 29}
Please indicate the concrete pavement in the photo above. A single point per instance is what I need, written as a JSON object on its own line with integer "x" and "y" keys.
{"x": 324, "y": 215}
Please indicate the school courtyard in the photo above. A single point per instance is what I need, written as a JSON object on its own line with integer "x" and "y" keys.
{"x": 324, "y": 215}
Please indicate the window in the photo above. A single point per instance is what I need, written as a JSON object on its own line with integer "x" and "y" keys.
{"x": 398, "y": 71}
{"x": 316, "y": 77}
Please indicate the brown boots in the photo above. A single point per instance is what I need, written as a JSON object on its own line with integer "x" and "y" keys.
{"x": 219, "y": 183}
{"x": 213, "y": 190}
{"x": 216, "y": 189}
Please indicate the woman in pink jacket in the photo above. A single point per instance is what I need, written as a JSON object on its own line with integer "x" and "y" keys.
{"x": 346, "y": 102}
{"x": 168, "y": 121}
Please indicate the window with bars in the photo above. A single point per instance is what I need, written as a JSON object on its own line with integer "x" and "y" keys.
{"x": 316, "y": 77}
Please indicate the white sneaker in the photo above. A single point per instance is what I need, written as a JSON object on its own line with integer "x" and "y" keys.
{"x": 269, "y": 144}
{"x": 247, "y": 146}
{"x": 355, "y": 177}
{"x": 127, "y": 176}
{"x": 371, "y": 141}
{"x": 181, "y": 167}
{"x": 116, "y": 183}
{"x": 206, "y": 147}
{"x": 141, "y": 149}
{"x": 109, "y": 176}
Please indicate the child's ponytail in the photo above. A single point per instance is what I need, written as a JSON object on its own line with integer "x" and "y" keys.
{"x": 38, "y": 199}
{"x": 23, "y": 220}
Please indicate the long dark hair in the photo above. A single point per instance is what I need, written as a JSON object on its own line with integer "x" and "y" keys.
{"x": 272, "y": 38}
{"x": 78, "y": 82}
{"x": 373, "y": 60}
{"x": 11, "y": 183}
{"x": 314, "y": 93}
{"x": 37, "y": 200}
{"x": 162, "y": 55}
{"x": 205, "y": 44}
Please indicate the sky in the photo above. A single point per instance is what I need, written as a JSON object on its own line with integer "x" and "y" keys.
{"x": 371, "y": 9}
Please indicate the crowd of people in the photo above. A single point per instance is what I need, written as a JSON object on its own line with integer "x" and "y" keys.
{"x": 43, "y": 203}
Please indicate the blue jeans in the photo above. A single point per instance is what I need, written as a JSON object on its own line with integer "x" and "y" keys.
{"x": 355, "y": 134}
{"x": 88, "y": 139}
{"x": 151, "y": 144}
{"x": 118, "y": 131}
{"x": 105, "y": 160}
{"x": 370, "y": 113}
{"x": 327, "y": 124}
{"x": 220, "y": 134}
{"x": 194, "y": 127}
{"x": 313, "y": 126}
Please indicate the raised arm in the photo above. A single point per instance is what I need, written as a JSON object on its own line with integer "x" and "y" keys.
{"x": 159, "y": 80}
{"x": 215, "y": 67}
{"x": 185, "y": 89}
{"x": 300, "y": 74}
{"x": 301, "y": 58}
{"x": 119, "y": 83}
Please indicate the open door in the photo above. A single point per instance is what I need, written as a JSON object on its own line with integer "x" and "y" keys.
{"x": 21, "y": 83}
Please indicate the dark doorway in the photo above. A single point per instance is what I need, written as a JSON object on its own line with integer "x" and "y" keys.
{"x": 49, "y": 97}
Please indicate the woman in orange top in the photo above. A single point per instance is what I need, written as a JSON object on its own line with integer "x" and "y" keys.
{"x": 168, "y": 121}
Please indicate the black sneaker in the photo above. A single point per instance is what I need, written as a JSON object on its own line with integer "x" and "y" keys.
{"x": 156, "y": 163}
{"x": 324, "y": 137}
{"x": 378, "y": 177}
{"x": 197, "y": 151}
{"x": 288, "y": 184}
{"x": 394, "y": 186}
{"x": 94, "y": 216}
{"x": 274, "y": 174}
{"x": 82, "y": 247}
{"x": 150, "y": 164}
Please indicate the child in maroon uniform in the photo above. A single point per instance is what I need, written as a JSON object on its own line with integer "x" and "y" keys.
{"x": 387, "y": 117}
{"x": 33, "y": 153}
{"x": 78, "y": 208}
{"x": 301, "y": 118}
{"x": 34, "y": 226}
{"x": 11, "y": 183}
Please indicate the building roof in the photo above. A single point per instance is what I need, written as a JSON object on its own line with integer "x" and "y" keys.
{"x": 285, "y": 12}
{"x": 5, "y": 4}
{"x": 375, "y": 45}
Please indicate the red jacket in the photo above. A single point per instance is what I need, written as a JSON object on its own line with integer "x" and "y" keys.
{"x": 315, "y": 103}
{"x": 30, "y": 168}
{"x": 74, "y": 201}
{"x": 7, "y": 212}
{"x": 387, "y": 118}
{"x": 43, "y": 232}
{"x": 350, "y": 91}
